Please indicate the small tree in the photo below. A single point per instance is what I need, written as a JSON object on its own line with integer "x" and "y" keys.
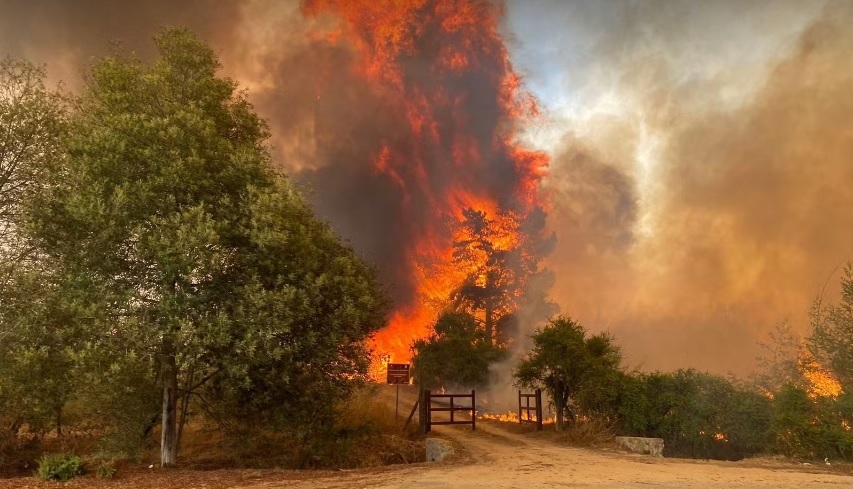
{"x": 457, "y": 353}
{"x": 564, "y": 361}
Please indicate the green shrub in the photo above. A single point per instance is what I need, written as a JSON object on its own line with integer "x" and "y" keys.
{"x": 59, "y": 466}
{"x": 102, "y": 464}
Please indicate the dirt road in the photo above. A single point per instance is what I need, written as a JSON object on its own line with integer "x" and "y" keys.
{"x": 494, "y": 458}
{"x": 491, "y": 457}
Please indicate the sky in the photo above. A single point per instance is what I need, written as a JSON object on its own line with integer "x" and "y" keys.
{"x": 700, "y": 149}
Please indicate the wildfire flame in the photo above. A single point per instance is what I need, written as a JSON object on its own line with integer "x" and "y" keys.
{"x": 819, "y": 381}
{"x": 445, "y": 67}
{"x": 512, "y": 417}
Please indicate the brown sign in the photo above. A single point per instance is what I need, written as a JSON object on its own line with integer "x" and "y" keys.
{"x": 398, "y": 373}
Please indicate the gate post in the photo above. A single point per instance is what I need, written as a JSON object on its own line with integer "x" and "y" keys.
{"x": 519, "y": 408}
{"x": 422, "y": 412}
{"x": 473, "y": 412}
{"x": 538, "y": 409}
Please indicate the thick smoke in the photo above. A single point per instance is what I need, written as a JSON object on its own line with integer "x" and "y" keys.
{"x": 698, "y": 189}
{"x": 393, "y": 116}
{"x": 714, "y": 205}
{"x": 66, "y": 35}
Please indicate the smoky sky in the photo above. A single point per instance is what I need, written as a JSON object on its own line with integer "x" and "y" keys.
{"x": 703, "y": 199}
{"x": 701, "y": 151}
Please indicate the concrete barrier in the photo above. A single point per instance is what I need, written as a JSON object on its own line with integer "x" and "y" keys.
{"x": 644, "y": 446}
{"x": 438, "y": 449}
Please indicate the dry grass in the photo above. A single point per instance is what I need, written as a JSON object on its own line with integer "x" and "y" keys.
{"x": 591, "y": 433}
{"x": 367, "y": 434}
{"x": 587, "y": 433}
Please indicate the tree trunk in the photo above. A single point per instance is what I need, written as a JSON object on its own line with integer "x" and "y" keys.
{"x": 59, "y": 423}
{"x": 560, "y": 405}
{"x": 169, "y": 438}
{"x": 185, "y": 407}
{"x": 489, "y": 310}
{"x": 490, "y": 327}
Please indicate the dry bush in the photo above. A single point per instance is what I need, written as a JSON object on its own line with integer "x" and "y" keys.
{"x": 590, "y": 432}
{"x": 366, "y": 434}
{"x": 373, "y": 406}
{"x": 18, "y": 453}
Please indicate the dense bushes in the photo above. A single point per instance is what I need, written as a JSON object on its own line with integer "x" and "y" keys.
{"x": 700, "y": 415}
{"x": 812, "y": 428}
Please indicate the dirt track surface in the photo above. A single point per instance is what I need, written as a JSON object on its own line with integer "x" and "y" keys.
{"x": 495, "y": 458}
{"x": 492, "y": 457}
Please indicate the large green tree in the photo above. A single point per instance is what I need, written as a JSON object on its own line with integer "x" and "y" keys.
{"x": 34, "y": 360}
{"x": 204, "y": 266}
{"x": 32, "y": 119}
{"x": 567, "y": 362}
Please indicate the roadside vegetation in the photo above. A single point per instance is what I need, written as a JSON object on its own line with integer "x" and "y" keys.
{"x": 158, "y": 276}
{"x": 798, "y": 406}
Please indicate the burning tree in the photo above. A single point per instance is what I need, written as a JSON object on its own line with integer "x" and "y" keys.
{"x": 499, "y": 254}
{"x": 440, "y": 146}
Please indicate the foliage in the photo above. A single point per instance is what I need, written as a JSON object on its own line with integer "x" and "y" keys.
{"x": 59, "y": 466}
{"x": 457, "y": 353}
{"x": 832, "y": 337}
{"x": 102, "y": 464}
{"x": 571, "y": 366}
{"x": 203, "y": 272}
{"x": 697, "y": 414}
{"x": 34, "y": 376}
{"x": 780, "y": 359}
{"x": 33, "y": 119}
{"x": 812, "y": 428}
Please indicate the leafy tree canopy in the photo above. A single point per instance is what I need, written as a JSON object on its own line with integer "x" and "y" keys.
{"x": 568, "y": 364}
{"x": 457, "y": 353}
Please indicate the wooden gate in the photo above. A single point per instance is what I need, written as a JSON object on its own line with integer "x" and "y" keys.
{"x": 452, "y": 407}
{"x": 524, "y": 408}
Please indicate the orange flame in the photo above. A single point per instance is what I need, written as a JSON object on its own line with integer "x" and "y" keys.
{"x": 445, "y": 66}
{"x": 819, "y": 381}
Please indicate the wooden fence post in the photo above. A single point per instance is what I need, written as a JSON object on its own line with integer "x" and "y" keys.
{"x": 473, "y": 412}
{"x": 519, "y": 407}
{"x": 422, "y": 412}
{"x": 539, "y": 409}
{"x": 428, "y": 400}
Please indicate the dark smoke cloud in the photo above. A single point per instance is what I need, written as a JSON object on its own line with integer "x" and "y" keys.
{"x": 328, "y": 124}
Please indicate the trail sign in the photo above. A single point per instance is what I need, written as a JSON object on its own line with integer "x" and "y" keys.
{"x": 398, "y": 373}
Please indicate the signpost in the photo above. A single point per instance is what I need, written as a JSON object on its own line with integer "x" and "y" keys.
{"x": 398, "y": 373}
